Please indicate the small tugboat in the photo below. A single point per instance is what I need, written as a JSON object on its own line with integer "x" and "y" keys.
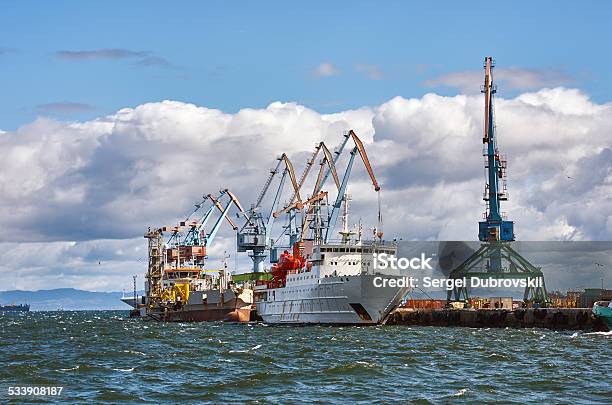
{"x": 603, "y": 310}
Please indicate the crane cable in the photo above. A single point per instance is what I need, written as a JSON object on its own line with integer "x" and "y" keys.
{"x": 380, "y": 220}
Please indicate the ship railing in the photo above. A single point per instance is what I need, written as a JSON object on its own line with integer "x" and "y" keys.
{"x": 367, "y": 243}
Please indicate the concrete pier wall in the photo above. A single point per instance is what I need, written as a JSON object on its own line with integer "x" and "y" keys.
{"x": 550, "y": 318}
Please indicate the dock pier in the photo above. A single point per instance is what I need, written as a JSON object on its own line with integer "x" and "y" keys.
{"x": 549, "y": 318}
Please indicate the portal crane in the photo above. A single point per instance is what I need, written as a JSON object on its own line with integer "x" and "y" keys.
{"x": 207, "y": 239}
{"x": 333, "y": 218}
{"x": 195, "y": 227}
{"x": 254, "y": 236}
{"x": 494, "y": 227}
{"x": 192, "y": 246}
{"x": 313, "y": 211}
{"x": 327, "y": 166}
{"x": 496, "y": 258}
{"x": 291, "y": 230}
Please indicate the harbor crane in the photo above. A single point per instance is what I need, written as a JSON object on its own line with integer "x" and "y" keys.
{"x": 327, "y": 167}
{"x": 333, "y": 218}
{"x": 192, "y": 245}
{"x": 496, "y": 258}
{"x": 327, "y": 163}
{"x": 254, "y": 236}
{"x": 494, "y": 227}
{"x": 194, "y": 234}
{"x": 322, "y": 226}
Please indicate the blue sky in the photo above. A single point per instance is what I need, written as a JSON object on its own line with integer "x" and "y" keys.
{"x": 231, "y": 55}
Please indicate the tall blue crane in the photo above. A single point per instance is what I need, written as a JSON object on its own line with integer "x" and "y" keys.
{"x": 495, "y": 258}
{"x": 494, "y": 227}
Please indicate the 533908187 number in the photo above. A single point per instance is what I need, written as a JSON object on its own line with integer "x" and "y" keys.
{"x": 34, "y": 391}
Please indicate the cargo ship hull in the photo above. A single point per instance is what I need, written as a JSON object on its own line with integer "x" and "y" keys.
{"x": 202, "y": 314}
{"x": 352, "y": 300}
{"x": 335, "y": 285}
{"x": 206, "y": 306}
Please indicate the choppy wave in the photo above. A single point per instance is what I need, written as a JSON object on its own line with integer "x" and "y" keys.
{"x": 105, "y": 357}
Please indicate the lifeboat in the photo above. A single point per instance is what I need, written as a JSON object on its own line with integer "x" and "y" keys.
{"x": 286, "y": 263}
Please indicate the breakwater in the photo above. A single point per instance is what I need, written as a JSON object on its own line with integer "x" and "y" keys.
{"x": 549, "y": 318}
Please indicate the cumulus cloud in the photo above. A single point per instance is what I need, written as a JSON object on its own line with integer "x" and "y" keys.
{"x": 142, "y": 58}
{"x": 81, "y": 192}
{"x": 509, "y": 78}
{"x": 325, "y": 69}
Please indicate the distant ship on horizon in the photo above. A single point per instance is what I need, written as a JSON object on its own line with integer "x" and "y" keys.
{"x": 15, "y": 308}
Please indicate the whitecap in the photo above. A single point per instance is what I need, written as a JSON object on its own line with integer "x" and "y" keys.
{"x": 600, "y": 333}
{"x": 134, "y": 352}
{"x": 69, "y": 369}
{"x": 460, "y": 393}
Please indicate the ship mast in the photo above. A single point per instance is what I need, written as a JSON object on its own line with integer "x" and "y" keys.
{"x": 346, "y": 234}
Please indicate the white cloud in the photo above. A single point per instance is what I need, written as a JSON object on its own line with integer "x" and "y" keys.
{"x": 77, "y": 197}
{"x": 326, "y": 69}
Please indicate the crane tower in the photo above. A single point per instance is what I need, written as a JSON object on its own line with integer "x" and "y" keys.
{"x": 496, "y": 258}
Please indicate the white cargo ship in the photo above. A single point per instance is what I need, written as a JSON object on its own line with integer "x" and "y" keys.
{"x": 332, "y": 283}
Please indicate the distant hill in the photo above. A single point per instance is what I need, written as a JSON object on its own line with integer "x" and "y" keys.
{"x": 64, "y": 298}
